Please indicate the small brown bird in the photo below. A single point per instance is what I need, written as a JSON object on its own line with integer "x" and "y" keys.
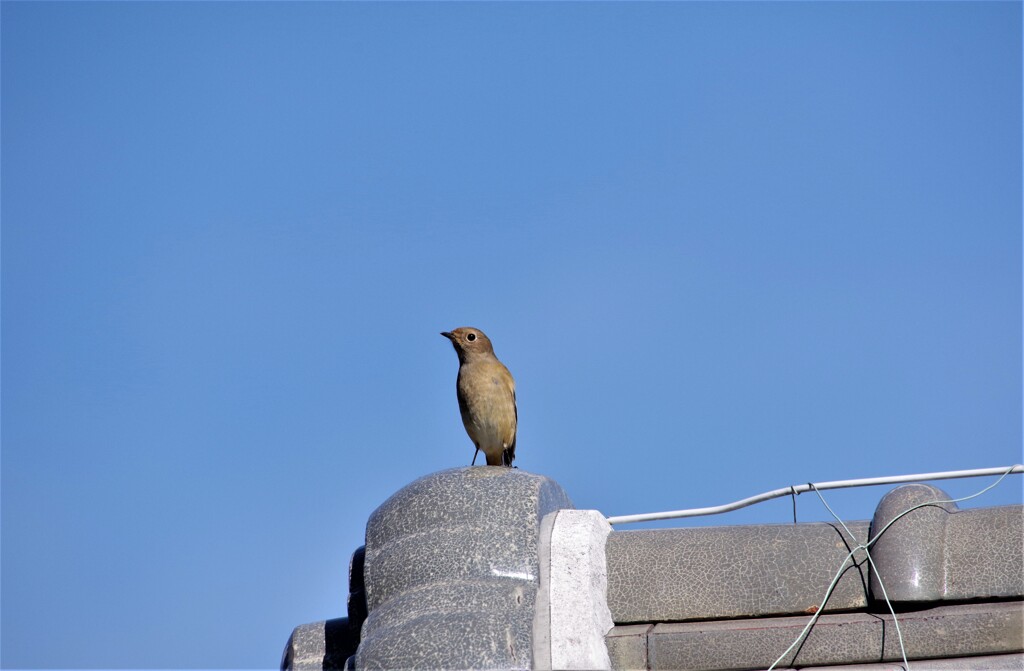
{"x": 487, "y": 396}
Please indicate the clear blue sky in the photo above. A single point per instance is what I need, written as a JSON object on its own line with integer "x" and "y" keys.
{"x": 723, "y": 248}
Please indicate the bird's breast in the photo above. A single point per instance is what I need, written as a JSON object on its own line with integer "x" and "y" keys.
{"x": 487, "y": 403}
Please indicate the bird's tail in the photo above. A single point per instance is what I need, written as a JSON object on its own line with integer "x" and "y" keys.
{"x": 503, "y": 458}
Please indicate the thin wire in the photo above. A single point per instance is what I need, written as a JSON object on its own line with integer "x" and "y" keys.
{"x": 874, "y": 571}
{"x": 817, "y": 613}
{"x": 866, "y": 547}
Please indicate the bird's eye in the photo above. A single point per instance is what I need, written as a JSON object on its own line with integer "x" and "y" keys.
{"x": 471, "y": 337}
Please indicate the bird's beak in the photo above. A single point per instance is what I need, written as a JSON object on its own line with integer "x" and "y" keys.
{"x": 447, "y": 334}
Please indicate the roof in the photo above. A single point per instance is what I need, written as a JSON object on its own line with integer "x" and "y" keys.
{"x": 490, "y": 567}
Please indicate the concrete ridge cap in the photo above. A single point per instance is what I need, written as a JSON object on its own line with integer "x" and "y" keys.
{"x": 384, "y": 613}
{"x": 441, "y": 584}
{"x": 427, "y": 531}
{"x": 468, "y": 582}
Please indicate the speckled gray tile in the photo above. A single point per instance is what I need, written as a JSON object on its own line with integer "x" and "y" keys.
{"x": 455, "y": 553}
{"x": 305, "y": 648}
{"x": 938, "y": 552}
{"x": 910, "y": 553}
{"x": 511, "y": 598}
{"x": 1013, "y": 662}
{"x": 985, "y": 553}
{"x": 627, "y": 647}
{"x": 457, "y": 495}
{"x": 451, "y": 570}
{"x": 450, "y": 641}
{"x": 320, "y": 646}
{"x": 741, "y": 571}
{"x": 845, "y": 638}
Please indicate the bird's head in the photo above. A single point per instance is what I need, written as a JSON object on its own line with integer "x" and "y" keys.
{"x": 469, "y": 342}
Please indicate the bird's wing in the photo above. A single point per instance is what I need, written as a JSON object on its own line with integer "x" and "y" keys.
{"x": 511, "y": 449}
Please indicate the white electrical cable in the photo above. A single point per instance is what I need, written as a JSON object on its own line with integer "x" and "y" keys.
{"x": 799, "y": 489}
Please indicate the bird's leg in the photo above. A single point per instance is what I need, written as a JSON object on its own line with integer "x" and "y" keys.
{"x": 474, "y": 456}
